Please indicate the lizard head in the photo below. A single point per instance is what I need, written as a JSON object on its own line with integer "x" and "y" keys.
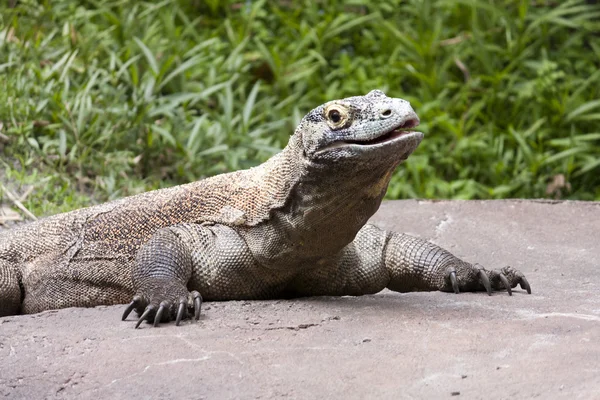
{"x": 373, "y": 126}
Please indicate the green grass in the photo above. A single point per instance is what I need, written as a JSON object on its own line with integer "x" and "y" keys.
{"x": 102, "y": 99}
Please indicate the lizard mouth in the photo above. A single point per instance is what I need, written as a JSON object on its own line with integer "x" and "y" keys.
{"x": 402, "y": 130}
{"x": 396, "y": 134}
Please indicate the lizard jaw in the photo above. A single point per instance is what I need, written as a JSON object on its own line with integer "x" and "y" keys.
{"x": 402, "y": 130}
{"x": 397, "y": 134}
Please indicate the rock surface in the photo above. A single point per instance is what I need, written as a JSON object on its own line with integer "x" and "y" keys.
{"x": 389, "y": 345}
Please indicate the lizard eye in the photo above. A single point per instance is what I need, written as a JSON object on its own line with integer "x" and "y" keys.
{"x": 335, "y": 116}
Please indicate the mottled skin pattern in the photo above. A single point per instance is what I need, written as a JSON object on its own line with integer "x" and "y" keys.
{"x": 293, "y": 226}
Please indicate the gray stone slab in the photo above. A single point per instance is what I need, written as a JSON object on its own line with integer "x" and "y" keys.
{"x": 390, "y": 345}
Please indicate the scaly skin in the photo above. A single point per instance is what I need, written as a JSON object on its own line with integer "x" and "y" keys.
{"x": 293, "y": 226}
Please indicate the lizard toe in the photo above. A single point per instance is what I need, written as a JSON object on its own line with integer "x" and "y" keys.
{"x": 135, "y": 304}
{"x": 145, "y": 315}
{"x": 514, "y": 277}
{"x": 473, "y": 277}
{"x": 194, "y": 303}
{"x": 160, "y": 300}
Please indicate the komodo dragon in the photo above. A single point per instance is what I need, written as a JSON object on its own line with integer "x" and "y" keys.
{"x": 293, "y": 226}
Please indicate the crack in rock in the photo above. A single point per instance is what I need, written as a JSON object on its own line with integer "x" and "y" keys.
{"x": 293, "y": 328}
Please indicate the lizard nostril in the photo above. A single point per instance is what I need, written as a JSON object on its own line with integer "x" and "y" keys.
{"x": 386, "y": 113}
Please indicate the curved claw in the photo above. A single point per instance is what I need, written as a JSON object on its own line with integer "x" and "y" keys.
{"x": 485, "y": 281}
{"x": 454, "y": 282}
{"x": 505, "y": 283}
{"x": 144, "y": 316}
{"x": 197, "y": 304}
{"x": 180, "y": 312}
{"x": 159, "y": 313}
{"x": 135, "y": 302}
{"x": 525, "y": 285}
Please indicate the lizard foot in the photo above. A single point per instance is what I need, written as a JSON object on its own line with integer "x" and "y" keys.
{"x": 161, "y": 300}
{"x": 473, "y": 277}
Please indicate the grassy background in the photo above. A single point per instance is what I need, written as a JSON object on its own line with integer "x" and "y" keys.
{"x": 103, "y": 99}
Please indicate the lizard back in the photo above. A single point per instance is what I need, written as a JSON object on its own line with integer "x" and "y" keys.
{"x": 240, "y": 198}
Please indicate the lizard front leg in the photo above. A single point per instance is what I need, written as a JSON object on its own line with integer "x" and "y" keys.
{"x": 377, "y": 259}
{"x": 183, "y": 264}
{"x": 160, "y": 275}
{"x": 417, "y": 265}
